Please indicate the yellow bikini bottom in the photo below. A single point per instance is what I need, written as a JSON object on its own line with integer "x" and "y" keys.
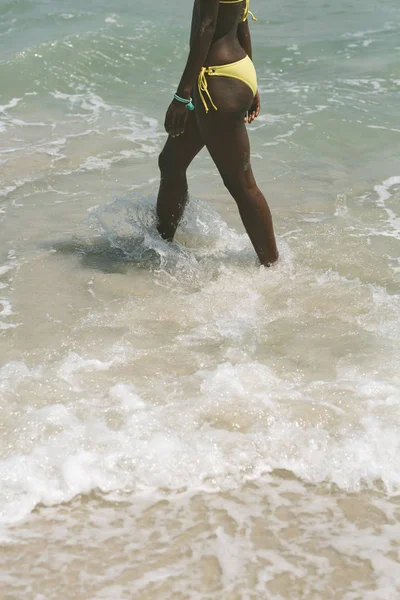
{"x": 242, "y": 69}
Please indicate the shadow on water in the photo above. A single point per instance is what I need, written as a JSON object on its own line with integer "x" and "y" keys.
{"x": 125, "y": 237}
{"x": 101, "y": 255}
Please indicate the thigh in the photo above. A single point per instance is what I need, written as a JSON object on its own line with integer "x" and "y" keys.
{"x": 225, "y": 136}
{"x": 224, "y": 131}
{"x": 179, "y": 152}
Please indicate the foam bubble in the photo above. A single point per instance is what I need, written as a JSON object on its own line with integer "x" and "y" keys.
{"x": 5, "y": 308}
{"x": 4, "y": 325}
{"x": 112, "y": 19}
{"x": 11, "y": 104}
{"x": 4, "y": 269}
{"x": 384, "y": 191}
{"x": 7, "y": 190}
{"x": 125, "y": 394}
{"x": 73, "y": 364}
{"x": 12, "y": 373}
{"x": 95, "y": 163}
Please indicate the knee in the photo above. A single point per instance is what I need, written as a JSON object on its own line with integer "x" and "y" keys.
{"x": 169, "y": 165}
{"x": 164, "y": 162}
{"x": 239, "y": 187}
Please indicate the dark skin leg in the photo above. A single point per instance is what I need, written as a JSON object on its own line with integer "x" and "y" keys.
{"x": 176, "y": 156}
{"x": 225, "y": 135}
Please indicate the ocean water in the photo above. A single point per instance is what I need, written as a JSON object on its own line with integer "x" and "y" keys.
{"x": 177, "y": 422}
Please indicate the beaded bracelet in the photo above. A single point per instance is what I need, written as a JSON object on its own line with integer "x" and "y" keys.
{"x": 188, "y": 103}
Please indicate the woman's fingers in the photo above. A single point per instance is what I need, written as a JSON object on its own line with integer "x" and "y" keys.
{"x": 184, "y": 118}
{"x": 257, "y": 104}
{"x": 182, "y": 121}
{"x": 175, "y": 120}
{"x": 251, "y": 115}
{"x": 170, "y": 120}
{"x": 254, "y": 110}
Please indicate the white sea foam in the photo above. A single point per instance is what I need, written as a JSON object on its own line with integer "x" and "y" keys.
{"x": 235, "y": 428}
{"x": 5, "y": 269}
{"x": 125, "y": 394}
{"x": 384, "y": 191}
{"x": 367, "y": 32}
{"x": 5, "y": 308}
{"x": 229, "y": 415}
{"x": 112, "y": 19}
{"x": 11, "y": 104}
{"x": 393, "y": 129}
{"x": 95, "y": 163}
{"x": 74, "y": 364}
{"x": 4, "y": 325}
{"x": 7, "y": 190}
{"x": 90, "y": 102}
{"x": 13, "y": 373}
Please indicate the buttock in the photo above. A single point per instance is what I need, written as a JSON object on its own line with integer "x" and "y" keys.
{"x": 243, "y": 70}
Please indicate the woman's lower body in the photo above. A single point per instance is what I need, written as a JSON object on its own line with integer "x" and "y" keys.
{"x": 224, "y": 133}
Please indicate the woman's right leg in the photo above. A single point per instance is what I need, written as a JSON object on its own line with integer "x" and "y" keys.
{"x": 225, "y": 136}
{"x": 173, "y": 161}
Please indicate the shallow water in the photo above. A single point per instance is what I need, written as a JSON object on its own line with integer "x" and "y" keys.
{"x": 177, "y": 421}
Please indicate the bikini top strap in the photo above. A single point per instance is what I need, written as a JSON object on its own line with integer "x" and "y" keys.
{"x": 246, "y": 10}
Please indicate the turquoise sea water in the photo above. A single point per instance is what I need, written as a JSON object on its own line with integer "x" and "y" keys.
{"x": 177, "y": 422}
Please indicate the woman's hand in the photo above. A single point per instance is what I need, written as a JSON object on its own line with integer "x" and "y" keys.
{"x": 175, "y": 119}
{"x": 254, "y": 109}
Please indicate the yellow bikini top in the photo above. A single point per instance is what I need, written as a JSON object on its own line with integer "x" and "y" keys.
{"x": 246, "y": 10}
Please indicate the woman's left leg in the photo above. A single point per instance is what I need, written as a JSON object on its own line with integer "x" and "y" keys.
{"x": 226, "y": 138}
